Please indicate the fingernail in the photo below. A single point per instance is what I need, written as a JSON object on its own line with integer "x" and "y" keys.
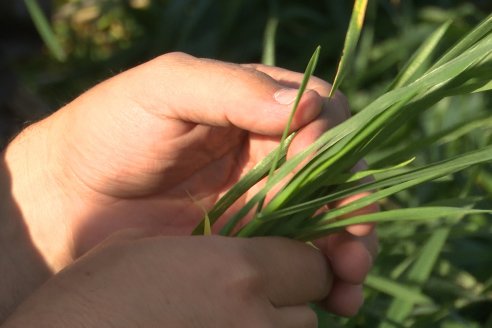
{"x": 285, "y": 96}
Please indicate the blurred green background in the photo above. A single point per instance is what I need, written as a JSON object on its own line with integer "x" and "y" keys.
{"x": 432, "y": 274}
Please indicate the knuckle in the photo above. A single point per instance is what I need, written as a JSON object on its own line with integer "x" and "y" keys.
{"x": 246, "y": 278}
{"x": 320, "y": 83}
{"x": 174, "y": 57}
{"x": 343, "y": 101}
{"x": 254, "y": 76}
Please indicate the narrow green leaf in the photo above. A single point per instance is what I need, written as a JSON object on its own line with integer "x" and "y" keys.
{"x": 357, "y": 176}
{"x": 419, "y": 59}
{"x": 440, "y": 138}
{"x": 373, "y": 122}
{"x": 431, "y": 87}
{"x": 44, "y": 30}
{"x": 258, "y": 172}
{"x": 268, "y": 56}
{"x": 407, "y": 214}
{"x": 207, "y": 229}
{"x": 485, "y": 181}
{"x": 485, "y": 87}
{"x": 396, "y": 183}
{"x": 422, "y": 268}
{"x": 396, "y": 289}
{"x": 350, "y": 45}
{"x": 470, "y": 39}
{"x": 286, "y": 169}
{"x": 311, "y": 66}
{"x": 305, "y": 80}
{"x": 418, "y": 274}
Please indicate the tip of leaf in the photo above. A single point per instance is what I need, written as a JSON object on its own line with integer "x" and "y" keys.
{"x": 207, "y": 226}
{"x": 207, "y": 230}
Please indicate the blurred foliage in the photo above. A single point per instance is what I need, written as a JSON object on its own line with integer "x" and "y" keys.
{"x": 104, "y": 37}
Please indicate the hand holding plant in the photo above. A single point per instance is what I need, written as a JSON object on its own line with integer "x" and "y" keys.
{"x": 150, "y": 147}
{"x": 302, "y": 180}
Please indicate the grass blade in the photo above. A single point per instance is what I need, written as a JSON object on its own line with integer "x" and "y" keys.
{"x": 396, "y": 289}
{"x": 351, "y": 39}
{"x": 369, "y": 122}
{"x": 307, "y": 75}
{"x": 483, "y": 29}
{"x": 407, "y": 214}
{"x": 420, "y": 58}
{"x": 357, "y": 176}
{"x": 268, "y": 56}
{"x": 419, "y": 274}
{"x": 273, "y": 180}
{"x": 440, "y": 138}
{"x": 250, "y": 179}
{"x": 44, "y": 30}
{"x": 311, "y": 66}
{"x": 396, "y": 183}
{"x": 207, "y": 229}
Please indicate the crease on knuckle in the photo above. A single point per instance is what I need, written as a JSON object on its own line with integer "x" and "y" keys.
{"x": 246, "y": 279}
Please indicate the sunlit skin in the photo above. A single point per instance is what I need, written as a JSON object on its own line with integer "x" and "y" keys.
{"x": 128, "y": 154}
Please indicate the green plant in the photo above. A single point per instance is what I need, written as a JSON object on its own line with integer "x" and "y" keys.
{"x": 465, "y": 68}
{"x": 446, "y": 282}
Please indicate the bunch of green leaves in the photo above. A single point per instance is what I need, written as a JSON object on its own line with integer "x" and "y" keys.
{"x": 293, "y": 211}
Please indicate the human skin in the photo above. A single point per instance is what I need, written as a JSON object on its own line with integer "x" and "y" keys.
{"x": 267, "y": 282}
{"x": 130, "y": 152}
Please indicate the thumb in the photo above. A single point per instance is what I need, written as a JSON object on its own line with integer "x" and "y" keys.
{"x": 203, "y": 91}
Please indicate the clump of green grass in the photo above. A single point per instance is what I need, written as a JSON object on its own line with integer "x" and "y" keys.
{"x": 465, "y": 68}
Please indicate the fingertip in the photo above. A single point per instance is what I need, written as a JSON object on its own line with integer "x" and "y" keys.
{"x": 344, "y": 299}
{"x": 270, "y": 117}
{"x": 351, "y": 261}
{"x": 361, "y": 230}
{"x": 309, "y": 109}
{"x": 349, "y": 257}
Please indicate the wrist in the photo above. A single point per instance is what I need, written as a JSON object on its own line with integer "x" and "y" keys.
{"x": 23, "y": 269}
{"x": 35, "y": 202}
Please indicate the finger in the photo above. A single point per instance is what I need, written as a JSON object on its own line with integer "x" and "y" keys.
{"x": 349, "y": 257}
{"x": 359, "y": 229}
{"x": 293, "y": 272}
{"x": 301, "y": 316}
{"x": 203, "y": 91}
{"x": 344, "y": 299}
{"x": 328, "y": 118}
{"x": 366, "y": 228}
{"x": 323, "y": 88}
{"x": 334, "y": 111}
{"x": 294, "y": 79}
{"x": 371, "y": 243}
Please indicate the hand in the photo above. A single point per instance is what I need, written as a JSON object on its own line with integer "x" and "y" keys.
{"x": 183, "y": 282}
{"x": 129, "y": 152}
